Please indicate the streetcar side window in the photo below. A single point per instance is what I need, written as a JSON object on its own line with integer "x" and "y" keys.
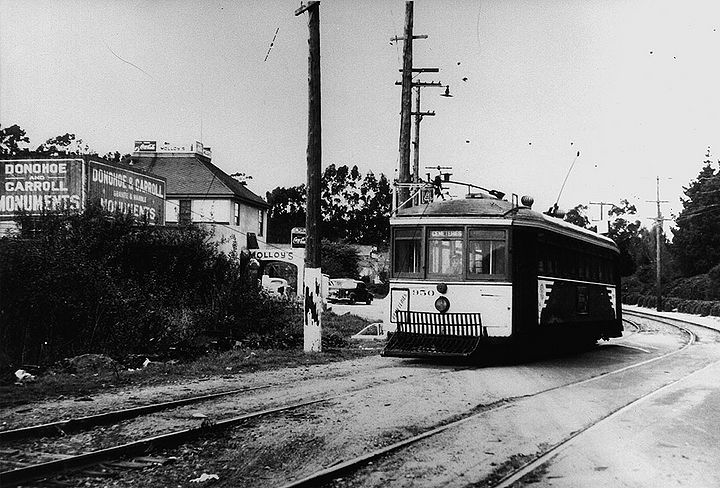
{"x": 445, "y": 252}
{"x": 407, "y": 251}
{"x": 487, "y": 254}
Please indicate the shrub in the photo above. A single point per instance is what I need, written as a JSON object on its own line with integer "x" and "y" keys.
{"x": 339, "y": 260}
{"x": 93, "y": 283}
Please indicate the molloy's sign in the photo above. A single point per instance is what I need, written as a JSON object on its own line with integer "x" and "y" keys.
{"x": 167, "y": 147}
{"x": 272, "y": 255}
{"x": 34, "y": 186}
{"x": 143, "y": 146}
{"x": 126, "y": 191}
{"x": 298, "y": 237}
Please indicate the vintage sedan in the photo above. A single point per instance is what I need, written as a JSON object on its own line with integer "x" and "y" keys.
{"x": 348, "y": 290}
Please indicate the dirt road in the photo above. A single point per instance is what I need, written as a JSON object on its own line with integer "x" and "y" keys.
{"x": 620, "y": 414}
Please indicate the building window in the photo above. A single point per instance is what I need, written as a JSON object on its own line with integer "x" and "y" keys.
{"x": 261, "y": 222}
{"x": 185, "y": 214}
{"x": 236, "y": 213}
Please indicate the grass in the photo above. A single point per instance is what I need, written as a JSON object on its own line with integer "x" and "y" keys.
{"x": 59, "y": 384}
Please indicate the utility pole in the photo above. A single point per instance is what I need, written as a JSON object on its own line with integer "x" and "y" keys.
{"x": 406, "y": 104}
{"x": 658, "y": 235}
{"x": 602, "y": 211}
{"x": 418, "y": 118}
{"x": 404, "y": 174}
{"x": 312, "y": 282}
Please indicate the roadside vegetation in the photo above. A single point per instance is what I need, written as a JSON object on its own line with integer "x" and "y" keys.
{"x": 96, "y": 373}
{"x": 73, "y": 285}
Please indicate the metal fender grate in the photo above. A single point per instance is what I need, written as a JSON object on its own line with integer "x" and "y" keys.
{"x": 453, "y": 324}
{"x": 404, "y": 345}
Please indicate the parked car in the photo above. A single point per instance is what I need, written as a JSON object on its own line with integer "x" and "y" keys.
{"x": 347, "y": 290}
{"x": 277, "y": 287}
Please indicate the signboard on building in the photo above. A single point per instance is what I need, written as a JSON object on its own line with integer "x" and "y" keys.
{"x": 298, "y": 237}
{"x": 126, "y": 191}
{"x": 273, "y": 255}
{"x": 145, "y": 146}
{"x": 36, "y": 186}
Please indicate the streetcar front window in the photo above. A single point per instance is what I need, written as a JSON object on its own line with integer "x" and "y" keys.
{"x": 407, "y": 251}
{"x": 445, "y": 252}
{"x": 487, "y": 254}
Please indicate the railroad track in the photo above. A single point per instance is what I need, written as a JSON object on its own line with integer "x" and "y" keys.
{"x": 325, "y": 476}
{"x": 51, "y": 463}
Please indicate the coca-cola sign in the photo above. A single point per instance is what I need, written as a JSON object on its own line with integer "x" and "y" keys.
{"x": 141, "y": 146}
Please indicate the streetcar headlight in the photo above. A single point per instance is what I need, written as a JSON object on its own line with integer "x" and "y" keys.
{"x": 442, "y": 304}
{"x": 442, "y": 287}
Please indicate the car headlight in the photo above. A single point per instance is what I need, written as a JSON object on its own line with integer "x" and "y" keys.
{"x": 442, "y": 304}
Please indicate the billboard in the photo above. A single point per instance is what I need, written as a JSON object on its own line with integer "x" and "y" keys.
{"x": 35, "y": 186}
{"x": 126, "y": 191}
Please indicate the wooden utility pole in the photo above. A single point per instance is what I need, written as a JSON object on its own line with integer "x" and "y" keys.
{"x": 418, "y": 118}
{"x": 312, "y": 283}
{"x": 406, "y": 104}
{"x": 602, "y": 215}
{"x": 658, "y": 236}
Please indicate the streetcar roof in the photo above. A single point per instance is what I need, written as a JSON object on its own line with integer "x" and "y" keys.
{"x": 469, "y": 210}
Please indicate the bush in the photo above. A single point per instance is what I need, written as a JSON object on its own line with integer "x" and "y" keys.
{"x": 93, "y": 283}
{"x": 339, "y": 260}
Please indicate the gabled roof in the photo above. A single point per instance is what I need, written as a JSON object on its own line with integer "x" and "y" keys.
{"x": 192, "y": 175}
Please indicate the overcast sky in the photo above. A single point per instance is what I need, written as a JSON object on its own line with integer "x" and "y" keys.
{"x": 632, "y": 85}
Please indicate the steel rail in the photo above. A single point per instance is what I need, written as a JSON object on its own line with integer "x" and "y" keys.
{"x": 339, "y": 469}
{"x": 664, "y": 319}
{"x": 62, "y": 427}
{"x": 82, "y": 423}
{"x": 143, "y": 446}
{"x": 519, "y": 473}
{"x": 147, "y": 445}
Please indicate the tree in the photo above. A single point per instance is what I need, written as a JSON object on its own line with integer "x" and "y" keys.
{"x": 339, "y": 260}
{"x": 287, "y": 210}
{"x": 576, "y": 215}
{"x": 375, "y": 222}
{"x": 354, "y": 209}
{"x": 10, "y": 140}
{"x": 696, "y": 239}
{"x": 626, "y": 234}
{"x": 65, "y": 144}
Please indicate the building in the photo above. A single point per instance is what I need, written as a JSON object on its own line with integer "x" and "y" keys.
{"x": 199, "y": 192}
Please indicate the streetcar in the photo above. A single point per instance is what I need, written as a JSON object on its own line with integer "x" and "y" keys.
{"x": 483, "y": 271}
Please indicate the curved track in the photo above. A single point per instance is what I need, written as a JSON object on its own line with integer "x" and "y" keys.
{"x": 334, "y": 472}
{"x": 353, "y": 464}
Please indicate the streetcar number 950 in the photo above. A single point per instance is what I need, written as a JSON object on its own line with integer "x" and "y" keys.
{"x": 423, "y": 293}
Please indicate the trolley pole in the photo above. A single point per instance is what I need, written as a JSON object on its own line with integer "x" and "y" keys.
{"x": 312, "y": 283}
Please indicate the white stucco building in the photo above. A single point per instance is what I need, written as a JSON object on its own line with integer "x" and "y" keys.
{"x": 198, "y": 191}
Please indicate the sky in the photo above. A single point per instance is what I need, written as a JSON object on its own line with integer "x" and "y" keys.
{"x": 631, "y": 85}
